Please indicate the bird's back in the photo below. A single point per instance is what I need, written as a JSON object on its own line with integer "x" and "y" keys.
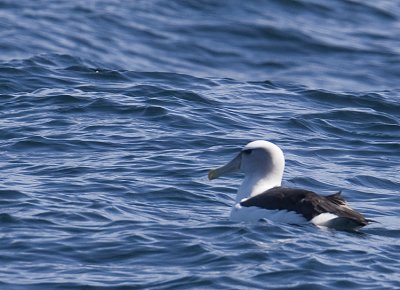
{"x": 310, "y": 205}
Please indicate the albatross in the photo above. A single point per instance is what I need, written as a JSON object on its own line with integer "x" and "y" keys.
{"x": 262, "y": 196}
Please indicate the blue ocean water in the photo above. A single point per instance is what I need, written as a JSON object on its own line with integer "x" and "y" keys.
{"x": 112, "y": 113}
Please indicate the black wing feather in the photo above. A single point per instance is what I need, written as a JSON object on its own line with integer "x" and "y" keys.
{"x": 304, "y": 202}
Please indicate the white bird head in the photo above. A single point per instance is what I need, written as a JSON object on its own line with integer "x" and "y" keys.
{"x": 262, "y": 163}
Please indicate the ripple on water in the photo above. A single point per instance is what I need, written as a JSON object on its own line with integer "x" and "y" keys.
{"x": 108, "y": 137}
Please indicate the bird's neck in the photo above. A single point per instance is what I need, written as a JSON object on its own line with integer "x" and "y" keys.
{"x": 253, "y": 185}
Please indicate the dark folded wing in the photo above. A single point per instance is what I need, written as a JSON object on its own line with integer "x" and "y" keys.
{"x": 304, "y": 202}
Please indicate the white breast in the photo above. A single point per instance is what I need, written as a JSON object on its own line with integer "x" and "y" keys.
{"x": 254, "y": 214}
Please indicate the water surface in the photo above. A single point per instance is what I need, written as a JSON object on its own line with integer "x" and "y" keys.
{"x": 113, "y": 112}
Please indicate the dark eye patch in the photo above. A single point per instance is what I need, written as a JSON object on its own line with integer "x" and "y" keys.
{"x": 247, "y": 151}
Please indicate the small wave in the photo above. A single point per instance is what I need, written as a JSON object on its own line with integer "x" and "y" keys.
{"x": 11, "y": 194}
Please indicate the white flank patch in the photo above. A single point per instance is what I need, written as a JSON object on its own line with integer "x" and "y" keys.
{"x": 323, "y": 218}
{"x": 252, "y": 214}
